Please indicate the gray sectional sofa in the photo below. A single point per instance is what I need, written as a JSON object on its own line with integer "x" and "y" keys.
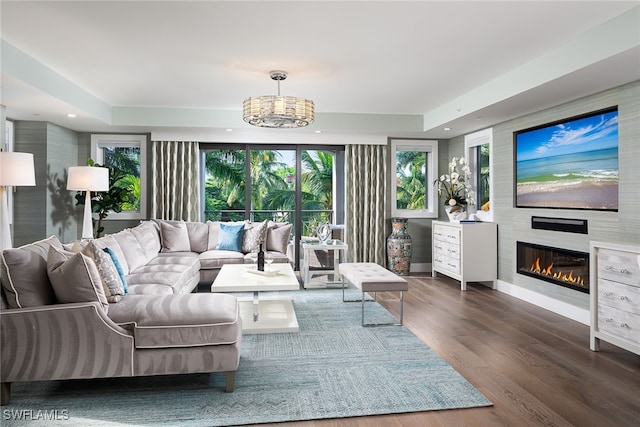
{"x": 65, "y": 313}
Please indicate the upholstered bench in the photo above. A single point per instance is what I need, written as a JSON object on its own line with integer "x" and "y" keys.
{"x": 372, "y": 278}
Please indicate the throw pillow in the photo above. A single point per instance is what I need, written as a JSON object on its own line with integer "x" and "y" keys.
{"x": 75, "y": 278}
{"x": 24, "y": 274}
{"x": 119, "y": 269}
{"x": 111, "y": 283}
{"x": 254, "y": 236}
{"x": 278, "y": 238}
{"x": 175, "y": 237}
{"x": 230, "y": 237}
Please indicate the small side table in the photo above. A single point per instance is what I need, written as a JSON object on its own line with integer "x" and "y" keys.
{"x": 339, "y": 249}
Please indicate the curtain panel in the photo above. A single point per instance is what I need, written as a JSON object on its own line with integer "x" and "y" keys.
{"x": 366, "y": 180}
{"x": 176, "y": 180}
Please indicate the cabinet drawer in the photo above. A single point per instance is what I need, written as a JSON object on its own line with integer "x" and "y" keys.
{"x": 619, "y": 266}
{"x": 447, "y": 263}
{"x": 619, "y": 323}
{"x": 446, "y": 234}
{"x": 620, "y": 296}
{"x": 447, "y": 250}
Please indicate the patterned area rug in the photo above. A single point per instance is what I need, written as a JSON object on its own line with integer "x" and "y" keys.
{"x": 333, "y": 368}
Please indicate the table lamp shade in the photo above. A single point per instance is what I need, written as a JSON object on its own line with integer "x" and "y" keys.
{"x": 88, "y": 178}
{"x": 16, "y": 169}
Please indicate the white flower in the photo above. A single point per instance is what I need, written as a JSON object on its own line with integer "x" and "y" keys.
{"x": 452, "y": 202}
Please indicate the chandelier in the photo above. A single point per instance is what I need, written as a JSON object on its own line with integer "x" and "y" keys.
{"x": 273, "y": 111}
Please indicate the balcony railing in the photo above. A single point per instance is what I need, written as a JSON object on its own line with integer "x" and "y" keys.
{"x": 310, "y": 218}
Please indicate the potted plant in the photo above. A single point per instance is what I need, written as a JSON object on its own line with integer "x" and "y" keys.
{"x": 455, "y": 189}
{"x": 108, "y": 201}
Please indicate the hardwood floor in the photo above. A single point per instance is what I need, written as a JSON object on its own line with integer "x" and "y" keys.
{"x": 534, "y": 365}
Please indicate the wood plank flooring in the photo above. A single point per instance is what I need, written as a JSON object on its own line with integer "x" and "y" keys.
{"x": 534, "y": 365}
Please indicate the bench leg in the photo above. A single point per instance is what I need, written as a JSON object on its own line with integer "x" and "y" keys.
{"x": 384, "y": 324}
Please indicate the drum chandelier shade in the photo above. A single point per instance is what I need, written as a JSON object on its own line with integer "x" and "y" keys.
{"x": 276, "y": 111}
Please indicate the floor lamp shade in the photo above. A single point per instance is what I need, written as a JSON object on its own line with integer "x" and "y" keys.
{"x": 88, "y": 179}
{"x": 16, "y": 169}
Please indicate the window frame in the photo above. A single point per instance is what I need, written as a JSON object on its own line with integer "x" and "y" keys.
{"x": 430, "y": 147}
{"x": 100, "y": 141}
{"x": 472, "y": 142}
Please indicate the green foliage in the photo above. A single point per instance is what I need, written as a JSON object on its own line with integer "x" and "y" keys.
{"x": 411, "y": 179}
{"x": 273, "y": 182}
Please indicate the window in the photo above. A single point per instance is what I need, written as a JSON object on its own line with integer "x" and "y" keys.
{"x": 416, "y": 167}
{"x": 127, "y": 154}
{"x": 478, "y": 148}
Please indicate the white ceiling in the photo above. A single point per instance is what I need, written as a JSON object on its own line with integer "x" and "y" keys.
{"x": 372, "y": 67}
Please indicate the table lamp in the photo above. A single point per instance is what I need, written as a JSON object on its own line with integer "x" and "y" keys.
{"x": 88, "y": 179}
{"x": 16, "y": 169}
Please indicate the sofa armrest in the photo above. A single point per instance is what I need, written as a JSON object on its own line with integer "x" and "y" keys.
{"x": 62, "y": 341}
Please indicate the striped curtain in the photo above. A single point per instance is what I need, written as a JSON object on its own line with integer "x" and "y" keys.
{"x": 366, "y": 176}
{"x": 176, "y": 180}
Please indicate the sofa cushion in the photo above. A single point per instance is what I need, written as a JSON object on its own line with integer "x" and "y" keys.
{"x": 74, "y": 277}
{"x": 278, "y": 237}
{"x": 24, "y": 274}
{"x": 116, "y": 263}
{"x": 131, "y": 249}
{"x": 254, "y": 236}
{"x": 214, "y": 231}
{"x": 148, "y": 235}
{"x": 111, "y": 282}
{"x": 198, "y": 236}
{"x": 179, "y": 271}
{"x": 216, "y": 259}
{"x": 175, "y": 237}
{"x": 230, "y": 237}
{"x": 150, "y": 289}
{"x": 111, "y": 243}
{"x": 180, "y": 320}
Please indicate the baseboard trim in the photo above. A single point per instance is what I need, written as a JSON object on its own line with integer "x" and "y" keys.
{"x": 420, "y": 267}
{"x": 562, "y": 308}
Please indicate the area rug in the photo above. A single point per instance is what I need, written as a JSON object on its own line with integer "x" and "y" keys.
{"x": 332, "y": 368}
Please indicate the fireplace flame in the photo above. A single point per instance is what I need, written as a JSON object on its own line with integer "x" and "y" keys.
{"x": 558, "y": 275}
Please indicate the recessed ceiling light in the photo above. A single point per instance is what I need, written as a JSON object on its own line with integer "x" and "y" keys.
{"x": 229, "y": 130}
{"x": 71, "y": 115}
{"x": 318, "y": 131}
{"x": 447, "y": 128}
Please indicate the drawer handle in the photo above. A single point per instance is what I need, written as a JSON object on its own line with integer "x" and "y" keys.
{"x": 624, "y": 298}
{"x": 617, "y": 270}
{"x": 608, "y": 294}
{"x": 622, "y": 325}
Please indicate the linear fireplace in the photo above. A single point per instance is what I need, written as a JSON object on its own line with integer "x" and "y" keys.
{"x": 555, "y": 265}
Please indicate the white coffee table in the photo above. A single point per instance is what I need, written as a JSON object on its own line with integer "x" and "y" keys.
{"x": 266, "y": 315}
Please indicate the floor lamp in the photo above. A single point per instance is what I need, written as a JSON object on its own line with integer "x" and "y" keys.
{"x": 16, "y": 169}
{"x": 88, "y": 179}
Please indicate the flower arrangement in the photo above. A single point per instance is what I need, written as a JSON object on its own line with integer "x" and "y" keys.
{"x": 455, "y": 185}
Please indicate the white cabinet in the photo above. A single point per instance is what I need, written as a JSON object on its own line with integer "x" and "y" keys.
{"x": 615, "y": 295}
{"x": 465, "y": 251}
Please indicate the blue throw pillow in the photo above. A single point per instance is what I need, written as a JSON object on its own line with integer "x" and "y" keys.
{"x": 118, "y": 269}
{"x": 230, "y": 237}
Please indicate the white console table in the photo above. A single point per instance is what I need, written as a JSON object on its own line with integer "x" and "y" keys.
{"x": 465, "y": 251}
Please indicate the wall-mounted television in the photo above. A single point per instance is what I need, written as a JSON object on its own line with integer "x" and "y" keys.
{"x": 569, "y": 164}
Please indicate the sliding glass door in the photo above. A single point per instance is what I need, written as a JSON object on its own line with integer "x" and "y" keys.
{"x": 289, "y": 183}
